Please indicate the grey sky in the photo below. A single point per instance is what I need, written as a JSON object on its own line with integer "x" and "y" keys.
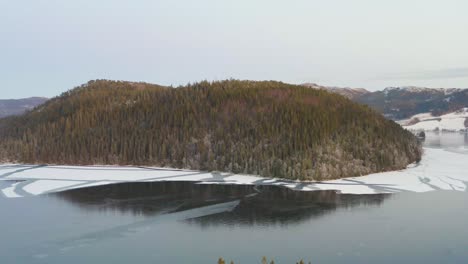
{"x": 48, "y": 47}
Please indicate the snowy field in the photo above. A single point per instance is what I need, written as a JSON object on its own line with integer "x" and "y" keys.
{"x": 450, "y": 122}
{"x": 439, "y": 170}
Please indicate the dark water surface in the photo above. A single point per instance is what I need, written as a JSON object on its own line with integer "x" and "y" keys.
{"x": 180, "y": 222}
{"x": 189, "y": 223}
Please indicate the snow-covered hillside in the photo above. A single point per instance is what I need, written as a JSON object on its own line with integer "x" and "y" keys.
{"x": 344, "y": 91}
{"x": 456, "y": 121}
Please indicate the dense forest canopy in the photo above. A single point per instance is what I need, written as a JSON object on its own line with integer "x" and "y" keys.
{"x": 265, "y": 128}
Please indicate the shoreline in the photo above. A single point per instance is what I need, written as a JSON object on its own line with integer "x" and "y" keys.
{"x": 439, "y": 169}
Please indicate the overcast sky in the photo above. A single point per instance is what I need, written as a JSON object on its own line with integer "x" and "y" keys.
{"x": 47, "y": 47}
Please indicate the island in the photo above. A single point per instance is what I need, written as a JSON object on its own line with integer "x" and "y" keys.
{"x": 265, "y": 128}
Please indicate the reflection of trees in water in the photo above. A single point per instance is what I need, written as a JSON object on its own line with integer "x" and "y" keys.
{"x": 278, "y": 205}
{"x": 446, "y": 139}
{"x": 150, "y": 198}
{"x": 261, "y": 205}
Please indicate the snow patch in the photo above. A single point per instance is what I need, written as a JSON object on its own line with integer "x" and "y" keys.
{"x": 9, "y": 192}
{"x": 44, "y": 186}
{"x": 449, "y": 122}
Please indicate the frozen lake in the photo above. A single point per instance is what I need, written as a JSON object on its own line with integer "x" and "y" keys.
{"x": 183, "y": 222}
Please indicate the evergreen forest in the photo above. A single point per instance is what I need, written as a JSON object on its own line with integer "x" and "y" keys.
{"x": 266, "y": 128}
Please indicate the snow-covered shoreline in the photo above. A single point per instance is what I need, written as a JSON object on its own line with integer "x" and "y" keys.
{"x": 439, "y": 170}
{"x": 452, "y": 122}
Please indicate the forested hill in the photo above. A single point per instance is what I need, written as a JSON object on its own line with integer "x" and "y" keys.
{"x": 268, "y": 128}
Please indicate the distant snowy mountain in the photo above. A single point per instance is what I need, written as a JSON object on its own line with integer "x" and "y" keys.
{"x": 399, "y": 103}
{"x": 347, "y": 92}
{"x": 11, "y": 107}
{"x": 455, "y": 122}
{"x": 404, "y": 102}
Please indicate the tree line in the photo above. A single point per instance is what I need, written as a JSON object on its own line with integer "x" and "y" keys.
{"x": 263, "y": 261}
